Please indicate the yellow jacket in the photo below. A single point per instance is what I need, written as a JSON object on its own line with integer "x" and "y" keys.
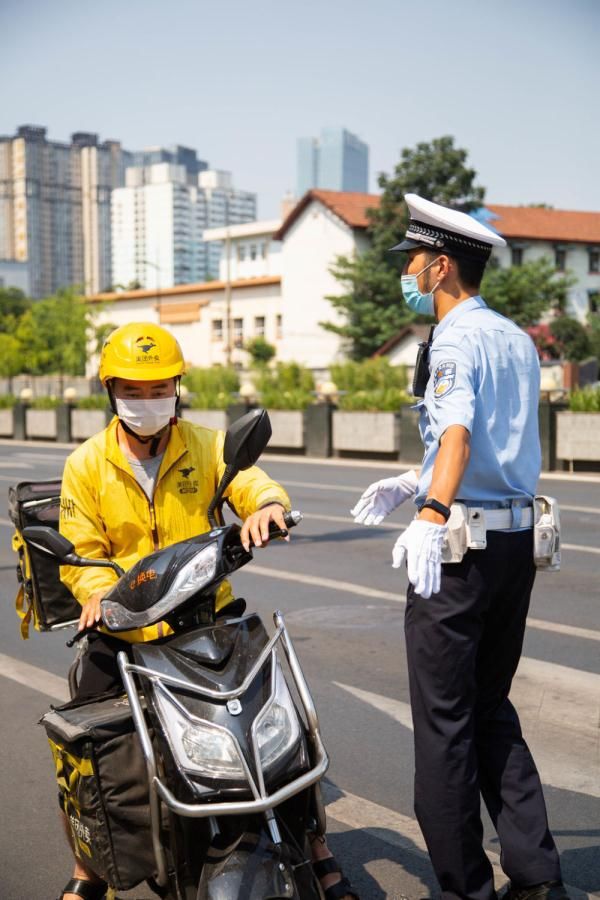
{"x": 106, "y": 514}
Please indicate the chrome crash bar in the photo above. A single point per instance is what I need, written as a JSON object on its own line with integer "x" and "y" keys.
{"x": 262, "y": 802}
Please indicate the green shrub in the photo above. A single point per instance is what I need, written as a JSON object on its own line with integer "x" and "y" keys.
{"x": 213, "y": 388}
{"x": 51, "y": 402}
{"x": 585, "y": 400}
{"x": 386, "y": 400}
{"x": 94, "y": 401}
{"x": 372, "y": 384}
{"x": 7, "y": 401}
{"x": 286, "y": 386}
{"x": 369, "y": 375}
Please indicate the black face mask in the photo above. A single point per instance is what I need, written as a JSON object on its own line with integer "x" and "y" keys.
{"x": 421, "y": 375}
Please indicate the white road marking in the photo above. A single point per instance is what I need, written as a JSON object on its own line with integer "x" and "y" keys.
{"x": 391, "y": 526}
{"x": 10, "y": 478}
{"x": 11, "y": 464}
{"x": 32, "y": 677}
{"x": 358, "y": 813}
{"x": 403, "y": 832}
{"x": 581, "y": 548}
{"x": 350, "y": 587}
{"x": 559, "y": 709}
{"x": 348, "y": 520}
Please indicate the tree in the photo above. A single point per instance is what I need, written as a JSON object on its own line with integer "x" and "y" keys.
{"x": 524, "y": 293}
{"x": 594, "y": 334}
{"x": 571, "y": 338}
{"x": 53, "y": 335}
{"x": 260, "y": 351}
{"x": 13, "y": 304}
{"x": 371, "y": 308}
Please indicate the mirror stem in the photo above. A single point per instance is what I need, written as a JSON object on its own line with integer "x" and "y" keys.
{"x": 228, "y": 476}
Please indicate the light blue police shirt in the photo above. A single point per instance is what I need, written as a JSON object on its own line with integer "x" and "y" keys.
{"x": 485, "y": 375}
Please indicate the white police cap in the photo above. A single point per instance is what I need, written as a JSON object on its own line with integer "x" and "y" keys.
{"x": 436, "y": 227}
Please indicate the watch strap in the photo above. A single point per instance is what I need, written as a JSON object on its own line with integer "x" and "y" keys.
{"x": 438, "y": 507}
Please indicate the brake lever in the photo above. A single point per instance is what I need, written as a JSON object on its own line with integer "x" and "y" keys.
{"x": 80, "y": 635}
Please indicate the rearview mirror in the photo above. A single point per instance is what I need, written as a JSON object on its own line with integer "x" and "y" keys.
{"x": 246, "y": 439}
{"x": 48, "y": 540}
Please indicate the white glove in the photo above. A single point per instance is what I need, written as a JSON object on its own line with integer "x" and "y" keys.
{"x": 421, "y": 545}
{"x": 382, "y": 497}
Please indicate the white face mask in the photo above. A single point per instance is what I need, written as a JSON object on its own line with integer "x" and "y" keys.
{"x": 146, "y": 417}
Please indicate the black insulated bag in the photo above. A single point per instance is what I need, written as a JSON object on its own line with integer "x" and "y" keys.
{"x": 103, "y": 781}
{"x": 42, "y": 597}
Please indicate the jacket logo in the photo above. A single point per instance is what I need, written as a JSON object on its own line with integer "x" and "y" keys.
{"x": 187, "y": 485}
{"x": 67, "y": 508}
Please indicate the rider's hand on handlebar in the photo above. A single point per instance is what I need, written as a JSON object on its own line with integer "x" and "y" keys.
{"x": 90, "y": 614}
{"x": 256, "y": 526}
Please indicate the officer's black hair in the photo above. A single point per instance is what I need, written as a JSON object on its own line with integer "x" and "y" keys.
{"x": 470, "y": 271}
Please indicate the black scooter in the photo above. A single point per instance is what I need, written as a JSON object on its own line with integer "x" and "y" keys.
{"x": 233, "y": 756}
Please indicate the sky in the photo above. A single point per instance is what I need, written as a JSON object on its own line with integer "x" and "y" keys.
{"x": 516, "y": 82}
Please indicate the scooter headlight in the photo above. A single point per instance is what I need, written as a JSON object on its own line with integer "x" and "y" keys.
{"x": 197, "y": 572}
{"x": 200, "y": 747}
{"x": 276, "y": 729}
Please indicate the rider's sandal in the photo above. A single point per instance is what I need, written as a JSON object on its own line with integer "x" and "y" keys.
{"x": 88, "y": 890}
{"x": 341, "y": 888}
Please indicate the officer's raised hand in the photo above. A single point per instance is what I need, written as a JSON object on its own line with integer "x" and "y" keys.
{"x": 383, "y": 497}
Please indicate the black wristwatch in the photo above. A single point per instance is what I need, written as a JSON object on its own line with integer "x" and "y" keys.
{"x": 438, "y": 507}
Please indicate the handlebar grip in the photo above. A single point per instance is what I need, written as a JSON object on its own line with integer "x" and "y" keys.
{"x": 292, "y": 518}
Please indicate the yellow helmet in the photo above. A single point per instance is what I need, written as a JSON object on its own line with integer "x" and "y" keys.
{"x": 140, "y": 351}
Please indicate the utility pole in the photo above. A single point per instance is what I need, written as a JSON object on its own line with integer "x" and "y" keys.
{"x": 229, "y": 344}
{"x": 147, "y": 262}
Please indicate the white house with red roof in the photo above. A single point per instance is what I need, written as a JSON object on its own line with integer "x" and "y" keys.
{"x": 275, "y": 278}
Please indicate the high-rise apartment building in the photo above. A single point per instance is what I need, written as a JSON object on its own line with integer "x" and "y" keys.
{"x": 336, "y": 161}
{"x": 55, "y": 207}
{"x": 158, "y": 219}
{"x": 221, "y": 204}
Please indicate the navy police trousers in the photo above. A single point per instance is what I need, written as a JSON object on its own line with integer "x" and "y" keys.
{"x": 463, "y": 647}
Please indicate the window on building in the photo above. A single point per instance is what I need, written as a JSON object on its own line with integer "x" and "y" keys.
{"x": 560, "y": 259}
{"x": 516, "y": 256}
{"x": 279, "y": 327}
{"x": 238, "y": 332}
{"x": 217, "y": 329}
{"x": 594, "y": 254}
{"x": 263, "y": 250}
{"x": 259, "y": 326}
{"x": 241, "y": 252}
{"x": 594, "y": 301}
{"x": 252, "y": 251}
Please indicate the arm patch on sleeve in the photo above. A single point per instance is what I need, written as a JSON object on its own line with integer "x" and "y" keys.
{"x": 444, "y": 379}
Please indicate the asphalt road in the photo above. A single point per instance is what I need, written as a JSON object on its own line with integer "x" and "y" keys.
{"x": 344, "y": 606}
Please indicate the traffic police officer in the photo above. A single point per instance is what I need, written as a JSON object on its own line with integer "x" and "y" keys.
{"x": 465, "y": 620}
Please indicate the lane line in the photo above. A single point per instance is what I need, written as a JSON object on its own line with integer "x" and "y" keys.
{"x": 390, "y": 526}
{"x": 349, "y": 587}
{"x": 37, "y": 679}
{"x": 347, "y": 488}
{"x": 559, "y": 709}
{"x": 357, "y": 813}
{"x": 403, "y": 832}
{"x": 581, "y": 548}
{"x": 10, "y": 464}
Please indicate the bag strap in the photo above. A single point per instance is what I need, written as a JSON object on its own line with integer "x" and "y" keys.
{"x": 24, "y": 598}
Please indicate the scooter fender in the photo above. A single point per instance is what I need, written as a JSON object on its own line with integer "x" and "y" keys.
{"x": 252, "y": 867}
